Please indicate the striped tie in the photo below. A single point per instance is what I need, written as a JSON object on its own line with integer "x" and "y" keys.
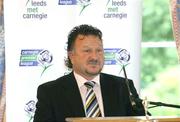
{"x": 92, "y": 107}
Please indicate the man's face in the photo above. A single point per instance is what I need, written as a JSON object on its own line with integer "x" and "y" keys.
{"x": 87, "y": 56}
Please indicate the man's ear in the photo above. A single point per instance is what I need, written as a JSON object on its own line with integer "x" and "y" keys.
{"x": 70, "y": 55}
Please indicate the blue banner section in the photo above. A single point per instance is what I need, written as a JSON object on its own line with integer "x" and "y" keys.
{"x": 67, "y": 2}
{"x": 29, "y": 57}
{"x": 110, "y": 56}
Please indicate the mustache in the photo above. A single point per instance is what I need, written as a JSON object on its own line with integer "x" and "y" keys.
{"x": 94, "y": 62}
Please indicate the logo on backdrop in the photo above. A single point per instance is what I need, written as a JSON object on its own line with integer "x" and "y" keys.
{"x": 116, "y": 56}
{"x": 82, "y": 3}
{"x": 36, "y": 57}
{"x": 30, "y": 108}
{"x": 67, "y": 2}
{"x": 35, "y": 9}
{"x": 113, "y": 9}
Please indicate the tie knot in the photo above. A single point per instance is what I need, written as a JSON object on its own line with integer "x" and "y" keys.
{"x": 89, "y": 84}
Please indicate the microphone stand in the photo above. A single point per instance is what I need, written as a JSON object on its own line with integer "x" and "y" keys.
{"x": 127, "y": 83}
{"x": 134, "y": 102}
{"x": 157, "y": 104}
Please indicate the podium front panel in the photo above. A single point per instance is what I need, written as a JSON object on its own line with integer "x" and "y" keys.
{"x": 125, "y": 119}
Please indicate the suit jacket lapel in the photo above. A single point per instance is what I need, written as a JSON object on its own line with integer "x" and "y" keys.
{"x": 74, "y": 97}
{"x": 109, "y": 93}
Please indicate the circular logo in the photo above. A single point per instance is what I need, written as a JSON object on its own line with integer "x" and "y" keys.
{"x": 122, "y": 56}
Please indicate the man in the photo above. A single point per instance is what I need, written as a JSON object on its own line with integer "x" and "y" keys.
{"x": 66, "y": 96}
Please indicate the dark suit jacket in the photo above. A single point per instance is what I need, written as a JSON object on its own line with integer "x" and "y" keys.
{"x": 61, "y": 98}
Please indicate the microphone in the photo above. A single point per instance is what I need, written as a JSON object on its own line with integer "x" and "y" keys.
{"x": 157, "y": 104}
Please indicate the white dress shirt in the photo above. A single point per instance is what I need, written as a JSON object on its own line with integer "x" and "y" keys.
{"x": 97, "y": 89}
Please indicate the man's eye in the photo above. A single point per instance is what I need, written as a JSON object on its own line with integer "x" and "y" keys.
{"x": 99, "y": 50}
{"x": 86, "y": 50}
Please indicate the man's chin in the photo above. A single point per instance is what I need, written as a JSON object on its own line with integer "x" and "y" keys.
{"x": 94, "y": 72}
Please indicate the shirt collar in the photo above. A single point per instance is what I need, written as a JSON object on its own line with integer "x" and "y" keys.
{"x": 80, "y": 80}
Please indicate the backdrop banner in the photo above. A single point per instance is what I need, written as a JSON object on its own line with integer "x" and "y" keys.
{"x": 175, "y": 14}
{"x": 36, "y": 35}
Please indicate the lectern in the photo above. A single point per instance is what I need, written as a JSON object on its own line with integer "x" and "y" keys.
{"x": 125, "y": 119}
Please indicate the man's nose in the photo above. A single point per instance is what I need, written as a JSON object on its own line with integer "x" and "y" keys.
{"x": 94, "y": 54}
